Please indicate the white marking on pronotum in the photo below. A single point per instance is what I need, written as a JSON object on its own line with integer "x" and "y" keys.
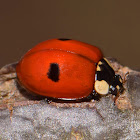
{"x": 100, "y": 63}
{"x": 101, "y": 87}
{"x": 98, "y": 68}
{"x": 108, "y": 62}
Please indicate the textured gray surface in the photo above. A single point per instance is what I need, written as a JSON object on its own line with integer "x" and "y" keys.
{"x": 43, "y": 121}
{"x": 51, "y": 122}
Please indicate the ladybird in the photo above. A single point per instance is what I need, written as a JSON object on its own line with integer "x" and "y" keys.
{"x": 68, "y": 70}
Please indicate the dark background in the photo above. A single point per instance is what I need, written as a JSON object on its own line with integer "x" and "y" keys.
{"x": 113, "y": 25}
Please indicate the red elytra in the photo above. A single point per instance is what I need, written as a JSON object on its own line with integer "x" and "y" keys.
{"x": 58, "y": 68}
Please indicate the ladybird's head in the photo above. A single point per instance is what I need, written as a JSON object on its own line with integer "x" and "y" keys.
{"x": 116, "y": 86}
{"x": 106, "y": 81}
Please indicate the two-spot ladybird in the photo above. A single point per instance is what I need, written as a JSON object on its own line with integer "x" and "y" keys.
{"x": 67, "y": 69}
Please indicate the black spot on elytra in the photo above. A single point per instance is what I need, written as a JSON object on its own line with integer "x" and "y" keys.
{"x": 54, "y": 72}
{"x": 63, "y": 39}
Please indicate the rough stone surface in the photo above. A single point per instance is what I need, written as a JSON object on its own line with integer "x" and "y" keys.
{"x": 27, "y": 117}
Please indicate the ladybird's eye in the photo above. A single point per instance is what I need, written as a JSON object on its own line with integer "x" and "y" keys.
{"x": 54, "y": 71}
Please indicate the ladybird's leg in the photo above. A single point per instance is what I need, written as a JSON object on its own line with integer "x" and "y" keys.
{"x": 125, "y": 77}
{"x": 115, "y": 99}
